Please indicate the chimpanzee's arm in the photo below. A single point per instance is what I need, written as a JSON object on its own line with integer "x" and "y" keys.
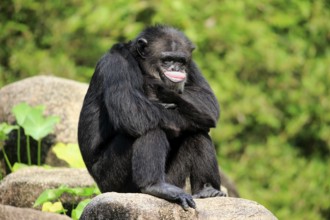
{"x": 197, "y": 104}
{"x": 128, "y": 108}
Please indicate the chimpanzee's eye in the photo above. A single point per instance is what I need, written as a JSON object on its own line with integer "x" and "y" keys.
{"x": 183, "y": 61}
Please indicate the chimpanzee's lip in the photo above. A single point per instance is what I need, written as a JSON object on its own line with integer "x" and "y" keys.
{"x": 175, "y": 76}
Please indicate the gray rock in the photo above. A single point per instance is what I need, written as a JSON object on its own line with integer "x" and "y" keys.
{"x": 140, "y": 206}
{"x": 62, "y": 97}
{"x": 13, "y": 213}
{"x": 22, "y": 188}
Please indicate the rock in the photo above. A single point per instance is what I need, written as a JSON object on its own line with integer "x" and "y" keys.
{"x": 62, "y": 97}
{"x": 13, "y": 213}
{"x": 22, "y": 188}
{"x": 141, "y": 206}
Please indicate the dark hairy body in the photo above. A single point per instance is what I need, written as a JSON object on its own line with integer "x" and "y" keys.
{"x": 143, "y": 130}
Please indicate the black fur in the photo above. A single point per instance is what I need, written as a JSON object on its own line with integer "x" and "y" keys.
{"x": 133, "y": 144}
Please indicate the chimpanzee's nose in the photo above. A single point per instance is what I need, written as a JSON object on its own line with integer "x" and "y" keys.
{"x": 175, "y": 68}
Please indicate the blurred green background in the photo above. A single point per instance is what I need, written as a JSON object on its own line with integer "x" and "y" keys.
{"x": 268, "y": 62}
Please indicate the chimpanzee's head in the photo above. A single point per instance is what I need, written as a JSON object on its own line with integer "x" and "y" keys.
{"x": 165, "y": 53}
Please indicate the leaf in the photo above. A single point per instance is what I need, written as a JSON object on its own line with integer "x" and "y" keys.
{"x": 70, "y": 153}
{"x": 46, "y": 206}
{"x": 76, "y": 213}
{"x": 33, "y": 122}
{"x": 85, "y": 191}
{"x": 22, "y": 110}
{"x": 49, "y": 195}
{"x": 5, "y": 129}
{"x": 56, "y": 207}
{"x": 97, "y": 190}
{"x": 18, "y": 166}
{"x": 38, "y": 126}
{"x": 53, "y": 194}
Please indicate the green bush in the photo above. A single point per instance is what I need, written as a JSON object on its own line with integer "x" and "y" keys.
{"x": 267, "y": 61}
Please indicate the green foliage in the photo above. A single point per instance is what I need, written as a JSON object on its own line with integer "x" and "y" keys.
{"x": 46, "y": 197}
{"x": 70, "y": 153}
{"x": 5, "y": 129}
{"x": 267, "y": 61}
{"x": 33, "y": 122}
{"x": 54, "y": 194}
{"x": 285, "y": 182}
{"x": 18, "y": 166}
{"x": 76, "y": 213}
{"x": 56, "y": 207}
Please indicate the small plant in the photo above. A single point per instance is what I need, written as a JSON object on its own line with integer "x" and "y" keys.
{"x": 70, "y": 153}
{"x": 47, "y": 197}
{"x": 5, "y": 129}
{"x": 56, "y": 207}
{"x": 37, "y": 126}
{"x": 33, "y": 122}
{"x": 76, "y": 213}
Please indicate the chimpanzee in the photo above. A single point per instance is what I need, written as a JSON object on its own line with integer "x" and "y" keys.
{"x": 145, "y": 120}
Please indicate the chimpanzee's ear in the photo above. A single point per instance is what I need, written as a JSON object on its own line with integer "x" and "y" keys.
{"x": 141, "y": 44}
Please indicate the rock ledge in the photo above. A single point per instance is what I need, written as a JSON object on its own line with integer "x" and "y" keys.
{"x": 140, "y": 206}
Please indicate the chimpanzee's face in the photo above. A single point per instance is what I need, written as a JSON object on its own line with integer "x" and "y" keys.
{"x": 167, "y": 60}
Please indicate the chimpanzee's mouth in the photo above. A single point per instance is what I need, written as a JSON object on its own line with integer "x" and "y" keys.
{"x": 175, "y": 76}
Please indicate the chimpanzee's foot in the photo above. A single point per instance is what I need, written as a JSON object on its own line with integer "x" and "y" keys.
{"x": 209, "y": 191}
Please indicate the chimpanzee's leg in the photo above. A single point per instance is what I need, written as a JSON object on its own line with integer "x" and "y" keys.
{"x": 112, "y": 170}
{"x": 196, "y": 156}
{"x": 148, "y": 168}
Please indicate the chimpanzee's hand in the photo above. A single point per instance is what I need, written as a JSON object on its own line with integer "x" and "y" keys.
{"x": 171, "y": 193}
{"x": 167, "y": 95}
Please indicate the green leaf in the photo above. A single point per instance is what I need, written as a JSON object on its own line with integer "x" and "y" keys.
{"x": 83, "y": 191}
{"x": 5, "y": 129}
{"x": 38, "y": 126}
{"x": 97, "y": 190}
{"x": 53, "y": 194}
{"x": 22, "y": 110}
{"x": 76, "y": 213}
{"x": 70, "y": 153}
{"x": 18, "y": 166}
{"x": 33, "y": 122}
{"x": 46, "y": 206}
{"x": 49, "y": 195}
{"x": 56, "y": 207}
